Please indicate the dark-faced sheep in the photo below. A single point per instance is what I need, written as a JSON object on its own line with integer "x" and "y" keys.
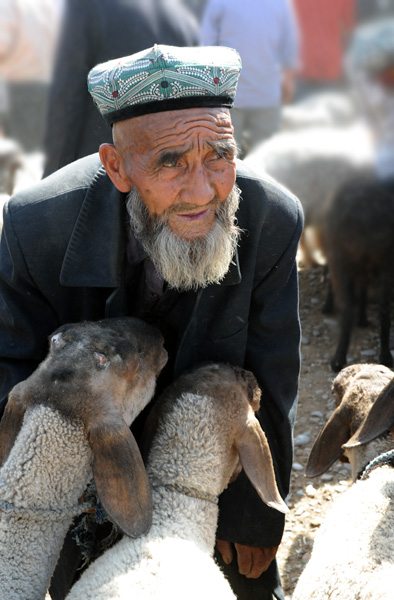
{"x": 70, "y": 419}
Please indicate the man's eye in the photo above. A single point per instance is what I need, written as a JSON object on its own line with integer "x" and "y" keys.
{"x": 225, "y": 154}
{"x": 171, "y": 162}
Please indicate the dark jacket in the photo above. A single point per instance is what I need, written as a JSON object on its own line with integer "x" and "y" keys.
{"x": 62, "y": 260}
{"x": 95, "y": 31}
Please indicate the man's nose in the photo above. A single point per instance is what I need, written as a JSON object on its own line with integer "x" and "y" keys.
{"x": 198, "y": 187}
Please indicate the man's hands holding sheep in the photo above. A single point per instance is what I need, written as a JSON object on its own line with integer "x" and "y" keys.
{"x": 252, "y": 562}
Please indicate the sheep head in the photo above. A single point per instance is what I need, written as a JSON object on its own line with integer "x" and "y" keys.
{"x": 379, "y": 420}
{"x": 356, "y": 389}
{"x": 214, "y": 403}
{"x": 101, "y": 374}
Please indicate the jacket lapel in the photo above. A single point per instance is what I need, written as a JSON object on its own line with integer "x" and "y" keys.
{"x": 94, "y": 256}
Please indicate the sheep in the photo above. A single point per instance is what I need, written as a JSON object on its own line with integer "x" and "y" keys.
{"x": 205, "y": 430}
{"x": 352, "y": 555}
{"x": 358, "y": 242}
{"x": 70, "y": 419}
{"x": 312, "y": 163}
{"x": 355, "y": 390}
{"x": 321, "y": 109}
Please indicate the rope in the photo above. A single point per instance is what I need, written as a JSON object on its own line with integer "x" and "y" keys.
{"x": 94, "y": 532}
{"x": 387, "y": 458}
{"x": 84, "y": 532}
{"x": 187, "y": 491}
{"x": 44, "y": 514}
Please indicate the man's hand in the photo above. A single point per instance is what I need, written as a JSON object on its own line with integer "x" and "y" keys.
{"x": 252, "y": 562}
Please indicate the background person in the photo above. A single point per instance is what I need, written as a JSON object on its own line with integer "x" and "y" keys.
{"x": 370, "y": 70}
{"x": 265, "y": 35}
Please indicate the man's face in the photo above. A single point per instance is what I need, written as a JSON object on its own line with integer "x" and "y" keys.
{"x": 181, "y": 163}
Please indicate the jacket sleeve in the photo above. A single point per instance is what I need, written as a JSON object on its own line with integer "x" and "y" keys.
{"x": 26, "y": 318}
{"x": 273, "y": 354}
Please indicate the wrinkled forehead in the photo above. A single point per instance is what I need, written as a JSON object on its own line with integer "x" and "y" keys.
{"x": 174, "y": 127}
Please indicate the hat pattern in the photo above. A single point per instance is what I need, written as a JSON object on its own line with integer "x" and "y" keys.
{"x": 165, "y": 78}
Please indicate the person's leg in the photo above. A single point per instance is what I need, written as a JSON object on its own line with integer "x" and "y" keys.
{"x": 266, "y": 587}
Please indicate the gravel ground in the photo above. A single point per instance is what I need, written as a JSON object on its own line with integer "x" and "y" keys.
{"x": 311, "y": 498}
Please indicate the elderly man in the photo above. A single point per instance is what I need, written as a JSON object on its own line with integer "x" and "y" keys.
{"x": 168, "y": 226}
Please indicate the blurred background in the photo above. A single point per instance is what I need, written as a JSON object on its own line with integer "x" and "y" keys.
{"x": 293, "y": 53}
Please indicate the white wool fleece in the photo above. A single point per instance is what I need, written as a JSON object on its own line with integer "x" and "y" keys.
{"x": 352, "y": 556}
{"x": 48, "y": 468}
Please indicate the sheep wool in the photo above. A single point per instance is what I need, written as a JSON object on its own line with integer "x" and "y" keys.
{"x": 352, "y": 557}
{"x": 31, "y": 539}
{"x": 176, "y": 554}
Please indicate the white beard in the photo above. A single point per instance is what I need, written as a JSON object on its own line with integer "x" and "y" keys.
{"x": 187, "y": 264}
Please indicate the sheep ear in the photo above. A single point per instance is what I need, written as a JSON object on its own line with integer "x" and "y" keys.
{"x": 379, "y": 420}
{"x": 256, "y": 460}
{"x": 120, "y": 477}
{"x": 327, "y": 447}
{"x": 12, "y": 420}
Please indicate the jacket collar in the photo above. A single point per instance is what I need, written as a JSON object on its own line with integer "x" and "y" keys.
{"x": 96, "y": 251}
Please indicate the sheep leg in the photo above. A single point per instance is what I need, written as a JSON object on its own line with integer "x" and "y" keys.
{"x": 362, "y": 319}
{"x": 346, "y": 324}
{"x": 328, "y": 306}
{"x": 385, "y": 356}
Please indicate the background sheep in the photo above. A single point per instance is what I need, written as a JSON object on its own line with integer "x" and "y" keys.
{"x": 205, "y": 430}
{"x": 321, "y": 109}
{"x": 358, "y": 242}
{"x": 352, "y": 556}
{"x": 313, "y": 163}
{"x": 71, "y": 415}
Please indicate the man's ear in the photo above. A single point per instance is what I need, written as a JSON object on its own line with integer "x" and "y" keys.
{"x": 113, "y": 164}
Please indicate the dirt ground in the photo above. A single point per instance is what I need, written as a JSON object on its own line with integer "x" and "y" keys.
{"x": 311, "y": 498}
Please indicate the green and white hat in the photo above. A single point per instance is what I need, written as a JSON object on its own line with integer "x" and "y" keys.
{"x": 165, "y": 78}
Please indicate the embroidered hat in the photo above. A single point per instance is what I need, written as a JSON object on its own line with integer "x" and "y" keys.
{"x": 165, "y": 78}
